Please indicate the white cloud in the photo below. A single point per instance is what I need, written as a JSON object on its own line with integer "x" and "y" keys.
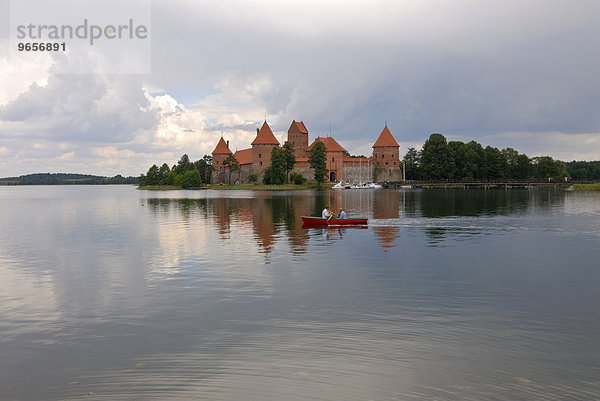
{"x": 16, "y": 75}
{"x": 221, "y": 67}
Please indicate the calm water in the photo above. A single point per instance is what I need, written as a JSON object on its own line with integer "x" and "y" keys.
{"x": 109, "y": 293}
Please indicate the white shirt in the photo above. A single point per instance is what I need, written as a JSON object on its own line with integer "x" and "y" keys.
{"x": 325, "y": 214}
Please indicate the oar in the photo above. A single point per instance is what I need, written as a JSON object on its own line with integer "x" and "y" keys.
{"x": 330, "y": 215}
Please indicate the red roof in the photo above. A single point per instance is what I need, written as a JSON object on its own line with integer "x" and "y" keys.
{"x": 300, "y": 125}
{"x": 265, "y": 136}
{"x": 330, "y": 143}
{"x": 222, "y": 148}
{"x": 244, "y": 156}
{"x": 385, "y": 139}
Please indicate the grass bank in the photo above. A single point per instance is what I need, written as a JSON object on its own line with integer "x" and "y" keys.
{"x": 158, "y": 187}
{"x": 587, "y": 187}
{"x": 263, "y": 187}
{"x": 255, "y": 187}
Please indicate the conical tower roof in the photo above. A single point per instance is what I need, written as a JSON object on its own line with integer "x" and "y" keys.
{"x": 265, "y": 136}
{"x": 222, "y": 148}
{"x": 331, "y": 144}
{"x": 385, "y": 139}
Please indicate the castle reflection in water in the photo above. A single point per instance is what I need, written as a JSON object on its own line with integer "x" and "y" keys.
{"x": 275, "y": 216}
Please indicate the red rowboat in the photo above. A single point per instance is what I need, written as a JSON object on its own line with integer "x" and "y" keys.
{"x": 318, "y": 221}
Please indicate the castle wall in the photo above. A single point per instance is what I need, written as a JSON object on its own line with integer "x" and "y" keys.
{"x": 356, "y": 174}
{"x": 382, "y": 174}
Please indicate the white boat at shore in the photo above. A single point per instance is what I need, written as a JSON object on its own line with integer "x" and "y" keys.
{"x": 362, "y": 185}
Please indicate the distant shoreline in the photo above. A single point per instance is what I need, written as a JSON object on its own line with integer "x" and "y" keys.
{"x": 67, "y": 179}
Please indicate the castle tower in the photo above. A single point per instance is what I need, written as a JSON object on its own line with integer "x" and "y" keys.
{"x": 298, "y": 136}
{"x": 262, "y": 145}
{"x": 386, "y": 157}
{"x": 386, "y": 151}
{"x": 220, "y": 153}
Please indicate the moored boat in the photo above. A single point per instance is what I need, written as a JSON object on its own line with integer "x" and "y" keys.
{"x": 319, "y": 221}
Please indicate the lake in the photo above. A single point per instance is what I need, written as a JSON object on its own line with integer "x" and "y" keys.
{"x": 110, "y": 293}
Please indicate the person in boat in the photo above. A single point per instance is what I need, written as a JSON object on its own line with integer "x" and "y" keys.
{"x": 325, "y": 214}
{"x": 341, "y": 214}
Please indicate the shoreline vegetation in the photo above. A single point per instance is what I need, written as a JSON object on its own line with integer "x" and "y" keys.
{"x": 250, "y": 186}
{"x": 313, "y": 185}
{"x": 68, "y": 179}
{"x": 587, "y": 187}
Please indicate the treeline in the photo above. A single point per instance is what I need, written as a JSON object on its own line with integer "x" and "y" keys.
{"x": 185, "y": 173}
{"x": 66, "y": 179}
{"x": 460, "y": 161}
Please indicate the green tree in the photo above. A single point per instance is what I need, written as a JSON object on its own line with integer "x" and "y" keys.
{"x": 289, "y": 159}
{"x": 168, "y": 178}
{"x": 318, "y": 161}
{"x": 152, "y": 177}
{"x": 278, "y": 167}
{"x": 232, "y": 165}
{"x": 545, "y": 167}
{"x": 435, "y": 161}
{"x": 412, "y": 164}
{"x": 495, "y": 164}
{"x": 456, "y": 154}
{"x": 517, "y": 166}
{"x": 162, "y": 173}
{"x": 205, "y": 168}
{"x": 523, "y": 167}
{"x": 474, "y": 161}
{"x": 191, "y": 179}
{"x": 297, "y": 178}
{"x": 183, "y": 165}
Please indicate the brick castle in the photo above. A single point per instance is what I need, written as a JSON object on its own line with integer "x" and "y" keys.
{"x": 382, "y": 166}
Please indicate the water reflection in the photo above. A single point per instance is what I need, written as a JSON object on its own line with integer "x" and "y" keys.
{"x": 274, "y": 216}
{"x": 221, "y": 296}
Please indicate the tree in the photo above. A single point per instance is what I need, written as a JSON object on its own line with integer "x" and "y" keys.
{"x": 495, "y": 163}
{"x": 517, "y": 166}
{"x": 183, "y": 165}
{"x": 289, "y": 159}
{"x": 277, "y": 170}
{"x": 473, "y": 162}
{"x": 191, "y": 179}
{"x": 318, "y": 161}
{"x": 435, "y": 158}
{"x": 232, "y": 165}
{"x": 205, "y": 168}
{"x": 411, "y": 164}
{"x": 152, "y": 176}
{"x": 546, "y": 166}
{"x": 163, "y": 174}
{"x": 523, "y": 167}
{"x": 456, "y": 153}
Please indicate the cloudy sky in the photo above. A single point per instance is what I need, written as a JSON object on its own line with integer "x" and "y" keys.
{"x": 511, "y": 73}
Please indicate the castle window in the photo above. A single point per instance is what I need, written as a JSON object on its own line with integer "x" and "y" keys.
{"x": 383, "y": 156}
{"x": 259, "y": 156}
{"x": 332, "y": 159}
{"x": 386, "y": 163}
{"x": 260, "y": 163}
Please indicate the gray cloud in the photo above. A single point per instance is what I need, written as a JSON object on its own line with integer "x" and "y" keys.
{"x": 468, "y": 69}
